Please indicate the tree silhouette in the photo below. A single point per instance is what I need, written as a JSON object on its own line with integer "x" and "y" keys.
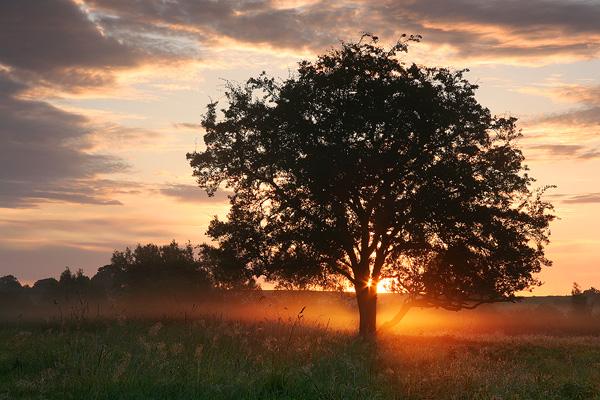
{"x": 224, "y": 269}
{"x": 155, "y": 270}
{"x": 11, "y": 292}
{"x": 9, "y": 283}
{"x": 582, "y": 302}
{"x": 74, "y": 281}
{"x": 362, "y": 167}
{"x": 45, "y": 291}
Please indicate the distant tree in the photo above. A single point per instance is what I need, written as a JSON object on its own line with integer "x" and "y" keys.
{"x": 11, "y": 291}
{"x": 226, "y": 269}
{"x": 78, "y": 285}
{"x": 593, "y": 295}
{"x": 592, "y": 291}
{"x": 74, "y": 280}
{"x": 45, "y": 290}
{"x": 66, "y": 277}
{"x": 110, "y": 279}
{"x": 158, "y": 269}
{"x": 9, "y": 283}
{"x": 581, "y": 306}
{"x": 364, "y": 168}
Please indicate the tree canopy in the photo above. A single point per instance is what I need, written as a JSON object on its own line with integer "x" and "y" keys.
{"x": 360, "y": 167}
{"x": 171, "y": 268}
{"x": 157, "y": 269}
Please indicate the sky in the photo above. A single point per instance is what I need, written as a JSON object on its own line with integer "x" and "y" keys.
{"x": 100, "y": 100}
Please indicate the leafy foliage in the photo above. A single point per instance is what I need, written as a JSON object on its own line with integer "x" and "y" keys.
{"x": 365, "y": 168}
{"x": 224, "y": 269}
{"x": 158, "y": 269}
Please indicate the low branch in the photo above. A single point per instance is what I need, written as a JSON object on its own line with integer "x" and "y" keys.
{"x": 436, "y": 303}
{"x": 408, "y": 304}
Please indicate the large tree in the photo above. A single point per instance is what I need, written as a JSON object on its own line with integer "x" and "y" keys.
{"x": 360, "y": 167}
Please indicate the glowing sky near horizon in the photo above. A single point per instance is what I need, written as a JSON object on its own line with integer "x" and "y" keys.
{"x": 100, "y": 100}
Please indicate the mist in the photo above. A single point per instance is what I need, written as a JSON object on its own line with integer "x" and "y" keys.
{"x": 554, "y": 315}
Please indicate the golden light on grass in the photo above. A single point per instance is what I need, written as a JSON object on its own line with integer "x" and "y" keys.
{"x": 267, "y": 355}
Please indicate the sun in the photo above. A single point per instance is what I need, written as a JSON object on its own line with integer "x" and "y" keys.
{"x": 380, "y": 286}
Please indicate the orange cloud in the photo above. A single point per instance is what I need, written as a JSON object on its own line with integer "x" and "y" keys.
{"x": 568, "y": 134}
{"x": 514, "y": 32}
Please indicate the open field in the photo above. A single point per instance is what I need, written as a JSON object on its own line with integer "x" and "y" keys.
{"x": 216, "y": 359}
{"x": 290, "y": 354}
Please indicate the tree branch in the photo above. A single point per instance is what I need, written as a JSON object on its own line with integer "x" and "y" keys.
{"x": 426, "y": 303}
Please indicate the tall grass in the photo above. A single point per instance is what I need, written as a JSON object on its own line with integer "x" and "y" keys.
{"x": 211, "y": 357}
{"x": 463, "y": 366}
{"x": 206, "y": 359}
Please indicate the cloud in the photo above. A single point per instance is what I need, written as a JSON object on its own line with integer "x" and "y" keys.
{"x": 187, "y": 125}
{"x": 22, "y": 195}
{"x": 212, "y": 23}
{"x": 54, "y": 43}
{"x": 585, "y": 94}
{"x": 586, "y": 198}
{"x": 568, "y": 151}
{"x": 510, "y": 31}
{"x": 58, "y": 42}
{"x": 586, "y": 117}
{"x": 95, "y": 229}
{"x": 569, "y": 134}
{"x": 193, "y": 194}
{"x": 41, "y": 157}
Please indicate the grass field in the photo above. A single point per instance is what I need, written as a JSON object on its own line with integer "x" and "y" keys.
{"x": 215, "y": 358}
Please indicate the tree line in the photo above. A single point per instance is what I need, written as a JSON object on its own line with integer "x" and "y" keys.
{"x": 146, "y": 271}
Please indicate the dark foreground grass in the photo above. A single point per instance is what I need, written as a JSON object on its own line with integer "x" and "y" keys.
{"x": 205, "y": 359}
{"x": 463, "y": 366}
{"x": 217, "y": 359}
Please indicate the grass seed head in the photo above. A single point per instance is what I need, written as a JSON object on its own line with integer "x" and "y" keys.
{"x": 198, "y": 352}
{"x": 153, "y": 331}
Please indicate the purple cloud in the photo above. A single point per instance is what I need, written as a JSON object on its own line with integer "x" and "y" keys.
{"x": 587, "y": 198}
{"x": 37, "y": 163}
{"x": 53, "y": 42}
{"x": 492, "y": 29}
{"x": 193, "y": 194}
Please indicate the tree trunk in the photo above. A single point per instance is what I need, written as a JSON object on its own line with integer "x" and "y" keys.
{"x": 366, "y": 297}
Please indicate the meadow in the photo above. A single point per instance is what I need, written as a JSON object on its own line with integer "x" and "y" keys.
{"x": 292, "y": 352}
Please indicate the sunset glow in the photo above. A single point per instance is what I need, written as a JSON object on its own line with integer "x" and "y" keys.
{"x": 101, "y": 101}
